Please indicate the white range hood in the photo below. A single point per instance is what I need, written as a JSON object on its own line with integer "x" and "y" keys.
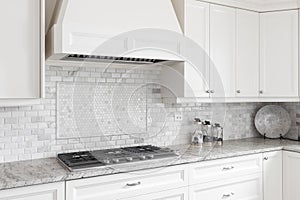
{"x": 113, "y": 28}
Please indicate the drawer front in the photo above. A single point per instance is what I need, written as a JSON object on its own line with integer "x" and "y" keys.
{"x": 176, "y": 194}
{"x": 247, "y": 187}
{"x": 224, "y": 168}
{"x": 53, "y": 191}
{"x": 127, "y": 184}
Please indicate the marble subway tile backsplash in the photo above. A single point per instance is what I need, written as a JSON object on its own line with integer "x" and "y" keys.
{"x": 31, "y": 132}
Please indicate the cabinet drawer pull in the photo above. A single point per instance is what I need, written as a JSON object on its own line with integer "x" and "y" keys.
{"x": 133, "y": 184}
{"x": 226, "y": 196}
{"x": 228, "y": 168}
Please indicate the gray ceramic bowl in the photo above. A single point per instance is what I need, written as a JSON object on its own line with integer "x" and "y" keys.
{"x": 272, "y": 121}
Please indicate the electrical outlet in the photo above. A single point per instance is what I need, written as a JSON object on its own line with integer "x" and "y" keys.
{"x": 178, "y": 117}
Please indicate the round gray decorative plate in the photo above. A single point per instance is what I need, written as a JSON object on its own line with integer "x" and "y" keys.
{"x": 272, "y": 121}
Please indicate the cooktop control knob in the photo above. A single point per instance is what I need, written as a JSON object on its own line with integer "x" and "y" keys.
{"x": 129, "y": 159}
{"x": 150, "y": 156}
{"x": 116, "y": 160}
{"x": 142, "y": 157}
{"x": 106, "y": 161}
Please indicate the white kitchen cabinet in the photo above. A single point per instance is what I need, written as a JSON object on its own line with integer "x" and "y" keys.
{"x": 197, "y": 29}
{"x": 53, "y": 191}
{"x": 272, "y": 175}
{"x": 291, "y": 175}
{"x": 21, "y": 51}
{"x": 242, "y": 188}
{"x": 279, "y": 54}
{"x": 222, "y": 169}
{"x": 127, "y": 185}
{"x": 222, "y": 50}
{"x": 247, "y": 54}
{"x": 177, "y": 194}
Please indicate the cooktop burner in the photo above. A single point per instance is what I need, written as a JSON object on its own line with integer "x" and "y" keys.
{"x": 99, "y": 158}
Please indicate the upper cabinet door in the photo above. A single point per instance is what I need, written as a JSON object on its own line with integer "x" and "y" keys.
{"x": 247, "y": 54}
{"x": 279, "y": 54}
{"x": 20, "y": 50}
{"x": 222, "y": 50}
{"x": 197, "y": 29}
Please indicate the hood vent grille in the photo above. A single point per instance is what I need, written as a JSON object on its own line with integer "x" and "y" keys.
{"x": 112, "y": 59}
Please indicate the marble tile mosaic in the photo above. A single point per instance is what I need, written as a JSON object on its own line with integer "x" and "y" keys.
{"x": 85, "y": 110}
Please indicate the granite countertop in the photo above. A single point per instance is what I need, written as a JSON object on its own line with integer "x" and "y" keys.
{"x": 41, "y": 171}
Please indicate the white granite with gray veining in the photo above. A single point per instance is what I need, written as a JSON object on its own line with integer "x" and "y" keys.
{"x": 26, "y": 173}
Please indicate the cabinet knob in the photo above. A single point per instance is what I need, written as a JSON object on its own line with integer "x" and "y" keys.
{"x": 266, "y": 158}
{"x": 238, "y": 91}
{"x": 261, "y": 92}
{"x": 207, "y": 91}
{"x": 212, "y": 91}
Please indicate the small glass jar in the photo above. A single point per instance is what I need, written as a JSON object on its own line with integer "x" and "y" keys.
{"x": 197, "y": 137}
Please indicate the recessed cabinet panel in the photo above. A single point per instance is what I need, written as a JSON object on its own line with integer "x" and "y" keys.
{"x": 241, "y": 188}
{"x": 197, "y": 30}
{"x": 279, "y": 54}
{"x": 247, "y": 54}
{"x": 272, "y": 175}
{"x": 177, "y": 194}
{"x": 126, "y": 185}
{"x": 222, "y": 50}
{"x": 20, "y": 51}
{"x": 291, "y": 175}
{"x": 53, "y": 191}
{"x": 224, "y": 168}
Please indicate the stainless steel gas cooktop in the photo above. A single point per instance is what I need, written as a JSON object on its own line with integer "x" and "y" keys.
{"x": 101, "y": 158}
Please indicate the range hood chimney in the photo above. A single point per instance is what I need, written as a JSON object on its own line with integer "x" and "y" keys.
{"x": 79, "y": 27}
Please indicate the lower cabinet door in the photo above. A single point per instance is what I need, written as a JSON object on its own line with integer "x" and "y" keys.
{"x": 291, "y": 175}
{"x": 272, "y": 175}
{"x": 176, "y": 194}
{"x": 243, "y": 188}
{"x": 53, "y": 191}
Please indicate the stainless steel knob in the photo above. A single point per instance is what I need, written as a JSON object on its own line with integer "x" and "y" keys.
{"x": 266, "y": 158}
{"x": 150, "y": 156}
{"x": 207, "y": 91}
{"x": 129, "y": 159}
{"x": 142, "y": 157}
{"x": 212, "y": 91}
{"x": 261, "y": 92}
{"x": 106, "y": 161}
{"x": 238, "y": 91}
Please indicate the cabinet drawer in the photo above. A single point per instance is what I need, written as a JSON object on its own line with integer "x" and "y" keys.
{"x": 176, "y": 194}
{"x": 52, "y": 191}
{"x": 126, "y": 185}
{"x": 247, "y": 187}
{"x": 224, "y": 168}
